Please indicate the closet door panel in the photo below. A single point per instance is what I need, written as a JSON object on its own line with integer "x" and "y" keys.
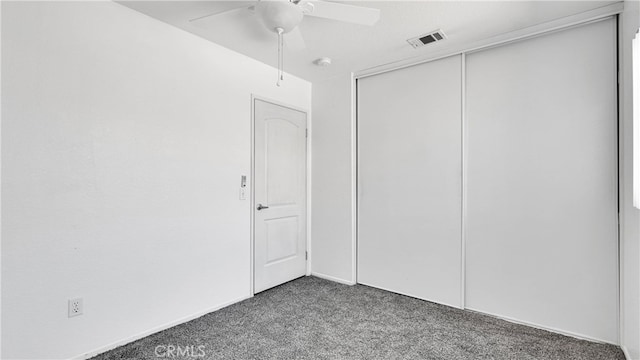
{"x": 541, "y": 234}
{"x": 409, "y": 181}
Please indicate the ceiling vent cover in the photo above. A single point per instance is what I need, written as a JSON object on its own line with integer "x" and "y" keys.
{"x": 427, "y": 38}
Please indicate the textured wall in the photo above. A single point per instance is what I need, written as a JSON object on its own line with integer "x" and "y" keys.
{"x": 123, "y": 144}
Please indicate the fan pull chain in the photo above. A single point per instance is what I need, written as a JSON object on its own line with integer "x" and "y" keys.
{"x": 280, "y": 56}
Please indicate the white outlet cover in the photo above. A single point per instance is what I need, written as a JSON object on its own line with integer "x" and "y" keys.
{"x": 75, "y": 307}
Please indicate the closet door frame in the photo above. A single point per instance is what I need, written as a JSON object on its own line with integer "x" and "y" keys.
{"x": 612, "y": 10}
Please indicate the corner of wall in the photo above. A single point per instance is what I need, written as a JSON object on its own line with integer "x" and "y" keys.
{"x": 332, "y": 216}
{"x": 629, "y": 216}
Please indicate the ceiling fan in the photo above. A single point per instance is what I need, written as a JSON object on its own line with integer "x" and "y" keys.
{"x": 283, "y": 17}
{"x": 287, "y": 14}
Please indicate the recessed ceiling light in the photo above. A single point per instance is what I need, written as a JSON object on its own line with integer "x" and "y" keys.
{"x": 323, "y": 61}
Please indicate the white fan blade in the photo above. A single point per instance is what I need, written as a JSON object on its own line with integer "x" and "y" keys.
{"x": 341, "y": 12}
{"x": 209, "y": 17}
{"x": 294, "y": 40}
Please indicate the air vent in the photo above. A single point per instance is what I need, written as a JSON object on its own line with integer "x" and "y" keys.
{"x": 428, "y": 38}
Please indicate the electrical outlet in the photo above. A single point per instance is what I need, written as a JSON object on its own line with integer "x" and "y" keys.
{"x": 75, "y": 307}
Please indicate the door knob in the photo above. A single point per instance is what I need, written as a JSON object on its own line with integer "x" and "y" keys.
{"x": 260, "y": 207}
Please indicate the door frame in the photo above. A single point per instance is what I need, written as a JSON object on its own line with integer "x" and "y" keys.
{"x": 252, "y": 201}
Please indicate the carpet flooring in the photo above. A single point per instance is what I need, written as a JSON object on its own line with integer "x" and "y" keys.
{"x": 311, "y": 318}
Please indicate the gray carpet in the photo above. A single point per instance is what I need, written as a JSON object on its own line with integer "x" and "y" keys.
{"x": 311, "y": 318}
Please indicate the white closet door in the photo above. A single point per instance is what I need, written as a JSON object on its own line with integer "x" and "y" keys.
{"x": 409, "y": 166}
{"x": 541, "y": 236}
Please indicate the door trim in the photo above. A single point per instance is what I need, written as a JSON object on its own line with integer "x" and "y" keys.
{"x": 252, "y": 202}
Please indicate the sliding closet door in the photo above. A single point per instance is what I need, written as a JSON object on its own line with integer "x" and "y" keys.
{"x": 409, "y": 165}
{"x": 541, "y": 235}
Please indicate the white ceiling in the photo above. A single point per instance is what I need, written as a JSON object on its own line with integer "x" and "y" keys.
{"x": 355, "y": 47}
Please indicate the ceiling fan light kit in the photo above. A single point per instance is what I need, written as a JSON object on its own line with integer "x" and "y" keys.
{"x": 276, "y": 15}
{"x": 281, "y": 17}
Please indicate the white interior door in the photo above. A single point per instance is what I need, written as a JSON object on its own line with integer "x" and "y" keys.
{"x": 409, "y": 181}
{"x": 280, "y": 194}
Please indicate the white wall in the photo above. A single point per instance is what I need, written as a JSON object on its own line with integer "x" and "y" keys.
{"x": 630, "y": 216}
{"x": 123, "y": 143}
{"x": 0, "y": 186}
{"x": 331, "y": 222}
